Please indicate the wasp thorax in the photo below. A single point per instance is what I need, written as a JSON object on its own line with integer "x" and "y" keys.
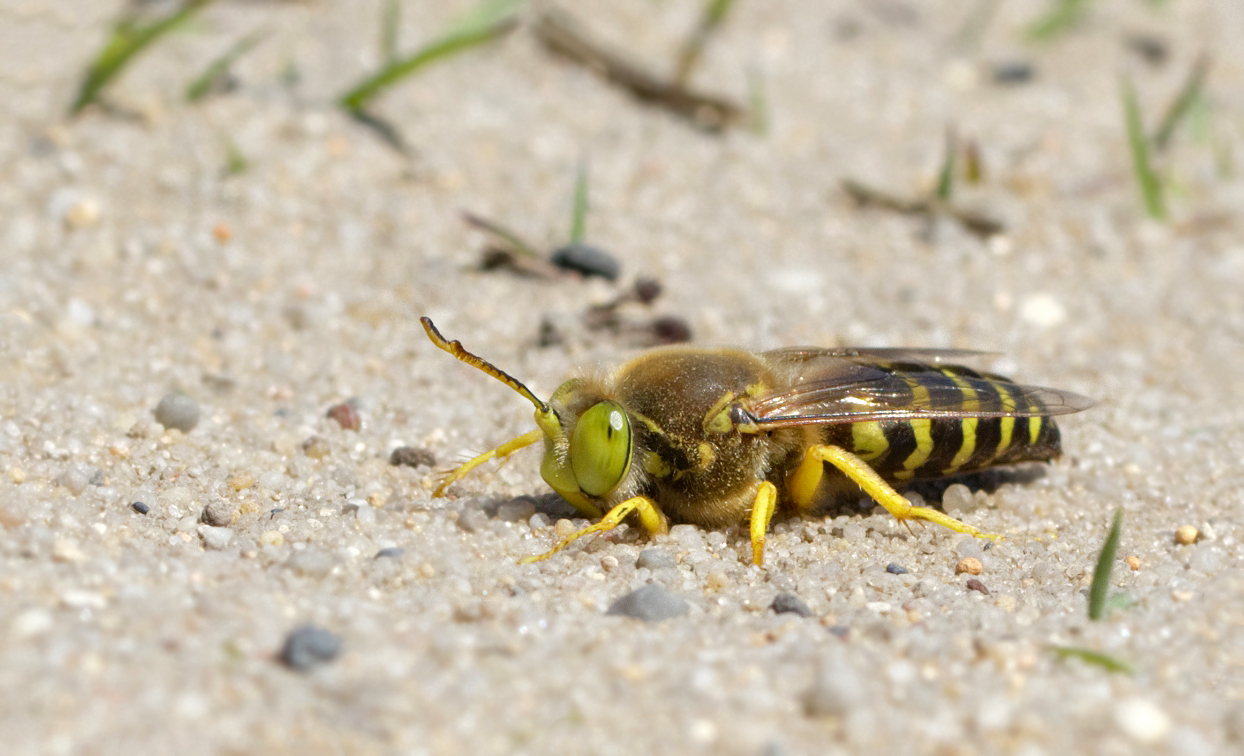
{"x": 600, "y": 448}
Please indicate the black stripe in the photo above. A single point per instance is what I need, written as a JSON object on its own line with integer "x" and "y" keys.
{"x": 902, "y": 440}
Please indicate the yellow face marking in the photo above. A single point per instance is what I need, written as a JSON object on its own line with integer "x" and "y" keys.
{"x": 867, "y": 440}
{"x": 971, "y": 402}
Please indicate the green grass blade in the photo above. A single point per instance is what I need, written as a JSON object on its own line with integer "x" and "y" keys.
{"x": 390, "y": 20}
{"x": 1146, "y": 178}
{"x": 712, "y": 17}
{"x": 356, "y": 99}
{"x": 757, "y": 103}
{"x": 1065, "y": 15}
{"x": 1105, "y": 564}
{"x": 203, "y": 83}
{"x": 128, "y": 39}
{"x": 1181, "y": 106}
{"x": 1095, "y": 658}
{"x": 946, "y": 176}
{"x": 487, "y": 13}
{"x": 578, "y": 216}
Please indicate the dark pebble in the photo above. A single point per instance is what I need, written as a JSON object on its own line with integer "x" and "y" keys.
{"x": 411, "y": 457}
{"x": 894, "y": 568}
{"x": 651, "y": 603}
{"x": 1013, "y": 72}
{"x": 586, "y": 260}
{"x": 390, "y": 551}
{"x": 346, "y": 416}
{"x": 670, "y": 329}
{"x": 177, "y": 412}
{"x": 140, "y": 507}
{"x": 308, "y": 647}
{"x": 975, "y": 585}
{"x": 789, "y": 603}
{"x": 647, "y": 289}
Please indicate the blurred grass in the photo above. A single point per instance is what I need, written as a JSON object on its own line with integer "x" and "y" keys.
{"x": 711, "y": 18}
{"x": 1062, "y": 17}
{"x": 1142, "y": 165}
{"x": 1095, "y": 658}
{"x": 129, "y": 37}
{"x": 1189, "y": 95}
{"x": 578, "y": 215}
{"x": 488, "y": 21}
{"x": 946, "y": 175}
{"x": 1105, "y": 565}
{"x": 219, "y": 68}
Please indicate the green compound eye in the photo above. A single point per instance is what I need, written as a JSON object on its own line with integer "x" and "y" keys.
{"x": 600, "y": 449}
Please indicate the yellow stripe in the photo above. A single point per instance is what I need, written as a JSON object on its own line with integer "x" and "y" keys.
{"x": 919, "y": 428}
{"x": 924, "y": 447}
{"x": 971, "y": 403}
{"x": 1034, "y": 427}
{"x": 1007, "y": 424}
{"x": 867, "y": 440}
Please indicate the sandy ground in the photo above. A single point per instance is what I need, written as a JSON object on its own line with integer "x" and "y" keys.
{"x": 136, "y": 265}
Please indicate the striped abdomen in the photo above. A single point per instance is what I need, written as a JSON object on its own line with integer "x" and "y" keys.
{"x": 906, "y": 449}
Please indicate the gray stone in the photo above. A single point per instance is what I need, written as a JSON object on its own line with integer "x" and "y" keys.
{"x": 177, "y": 411}
{"x": 308, "y": 647}
{"x": 651, "y": 603}
{"x": 789, "y": 603}
{"x": 655, "y": 559}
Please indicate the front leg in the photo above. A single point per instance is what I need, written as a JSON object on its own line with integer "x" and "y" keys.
{"x": 650, "y": 517}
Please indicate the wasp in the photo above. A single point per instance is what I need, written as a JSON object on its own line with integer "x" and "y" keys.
{"x": 720, "y": 437}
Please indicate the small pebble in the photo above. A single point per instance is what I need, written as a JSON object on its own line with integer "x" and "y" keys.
{"x": 836, "y": 690}
{"x": 970, "y": 565}
{"x": 410, "y": 456}
{"x": 392, "y": 552}
{"x": 1142, "y": 721}
{"x": 517, "y": 509}
{"x": 975, "y": 585}
{"x": 894, "y": 568}
{"x": 216, "y": 539}
{"x": 1013, "y": 72}
{"x": 140, "y": 507}
{"x": 346, "y": 416}
{"x": 789, "y": 603}
{"x": 220, "y": 513}
{"x": 646, "y": 289}
{"x": 655, "y": 559}
{"x": 589, "y": 261}
{"x": 241, "y": 481}
{"x": 76, "y": 477}
{"x": 1133, "y": 562}
{"x": 1186, "y": 535}
{"x": 670, "y": 329}
{"x": 308, "y": 647}
{"x": 177, "y": 412}
{"x": 651, "y": 603}
{"x": 316, "y": 447}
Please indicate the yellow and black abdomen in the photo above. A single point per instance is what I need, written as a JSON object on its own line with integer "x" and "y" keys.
{"x": 932, "y": 447}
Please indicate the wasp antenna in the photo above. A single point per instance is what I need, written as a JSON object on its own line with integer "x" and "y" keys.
{"x": 457, "y": 350}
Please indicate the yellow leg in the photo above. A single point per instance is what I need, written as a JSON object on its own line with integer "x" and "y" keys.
{"x": 650, "y": 518}
{"x": 504, "y": 450}
{"x": 762, "y": 513}
{"x": 803, "y": 482}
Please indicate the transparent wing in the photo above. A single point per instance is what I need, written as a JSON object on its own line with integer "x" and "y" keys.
{"x": 848, "y": 386}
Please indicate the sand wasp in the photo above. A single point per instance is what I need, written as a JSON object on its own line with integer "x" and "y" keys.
{"x": 718, "y": 437}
